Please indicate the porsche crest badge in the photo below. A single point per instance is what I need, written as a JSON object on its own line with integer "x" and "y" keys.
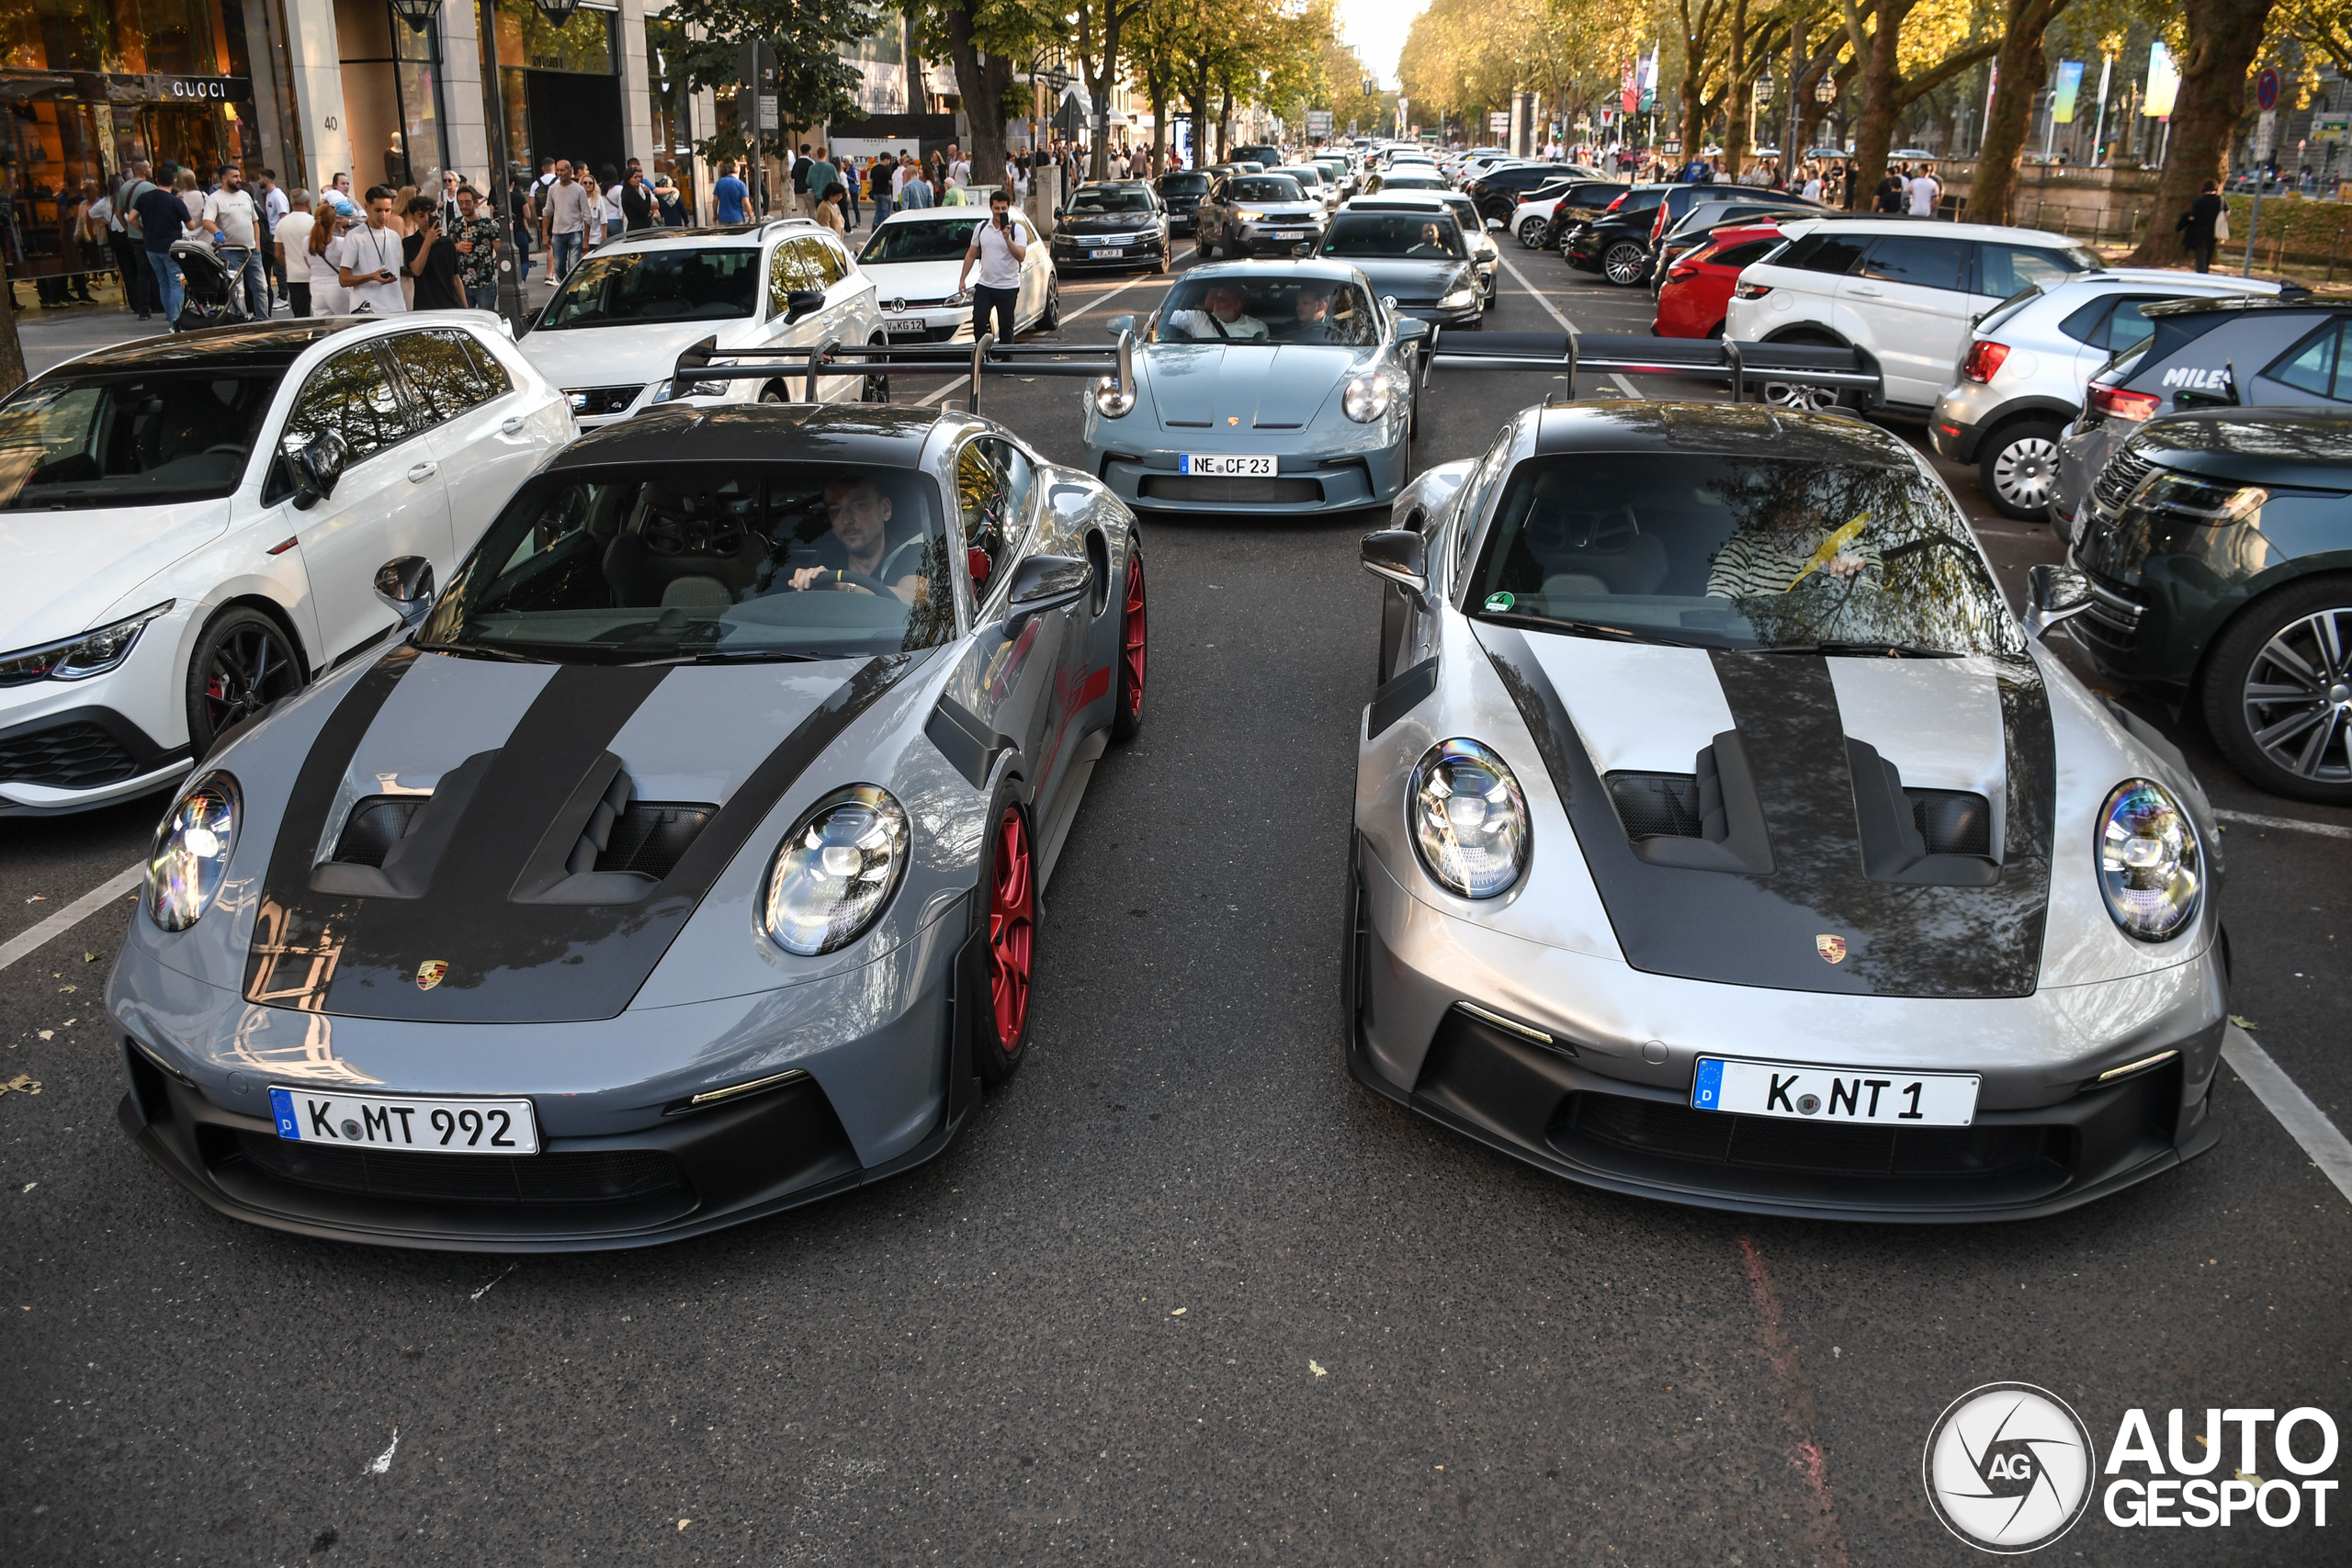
{"x": 1233, "y": 419}
{"x": 429, "y": 972}
{"x": 1831, "y": 947}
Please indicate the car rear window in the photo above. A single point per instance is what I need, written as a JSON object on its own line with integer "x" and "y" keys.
{"x": 1743, "y": 255}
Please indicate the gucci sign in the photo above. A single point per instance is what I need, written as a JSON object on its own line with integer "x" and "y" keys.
{"x": 206, "y": 89}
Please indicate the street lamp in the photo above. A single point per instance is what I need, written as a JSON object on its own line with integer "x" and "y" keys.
{"x": 417, "y": 14}
{"x": 1825, "y": 91}
{"x": 1765, "y": 87}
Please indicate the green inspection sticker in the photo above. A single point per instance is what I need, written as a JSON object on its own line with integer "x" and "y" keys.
{"x": 1499, "y": 601}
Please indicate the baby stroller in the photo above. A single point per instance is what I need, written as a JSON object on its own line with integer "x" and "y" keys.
{"x": 211, "y": 278}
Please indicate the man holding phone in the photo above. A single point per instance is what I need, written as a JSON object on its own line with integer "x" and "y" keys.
{"x": 370, "y": 262}
{"x": 431, "y": 258}
{"x": 997, "y": 246}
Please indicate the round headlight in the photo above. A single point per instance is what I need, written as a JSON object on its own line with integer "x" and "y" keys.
{"x": 1469, "y": 820}
{"x": 190, "y": 857}
{"x": 1111, "y": 401}
{"x": 1366, "y": 397}
{"x": 835, "y": 870}
{"x": 2150, "y": 866}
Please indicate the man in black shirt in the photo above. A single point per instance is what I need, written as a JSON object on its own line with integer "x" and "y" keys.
{"x": 160, "y": 217}
{"x": 431, "y": 258}
{"x": 1891, "y": 189}
{"x": 2197, "y": 226}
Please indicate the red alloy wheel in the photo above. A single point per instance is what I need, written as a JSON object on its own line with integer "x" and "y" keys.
{"x": 1013, "y": 911}
{"x": 1134, "y": 636}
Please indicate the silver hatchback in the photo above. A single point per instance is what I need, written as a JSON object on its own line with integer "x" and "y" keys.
{"x": 2021, "y": 380}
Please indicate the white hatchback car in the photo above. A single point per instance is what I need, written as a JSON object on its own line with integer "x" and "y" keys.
{"x": 914, "y": 257}
{"x": 611, "y": 334}
{"x": 1904, "y": 291}
{"x": 2022, "y": 382}
{"x": 194, "y": 527}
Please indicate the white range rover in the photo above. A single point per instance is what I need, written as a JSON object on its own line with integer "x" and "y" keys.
{"x": 195, "y": 524}
{"x": 1904, "y": 291}
{"x": 611, "y": 334}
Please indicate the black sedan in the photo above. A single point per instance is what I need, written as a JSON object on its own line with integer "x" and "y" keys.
{"x": 1115, "y": 226}
{"x": 2215, "y": 561}
{"x": 1180, "y": 193}
{"x": 1419, "y": 259}
{"x": 1617, "y": 244}
{"x": 1259, "y": 215}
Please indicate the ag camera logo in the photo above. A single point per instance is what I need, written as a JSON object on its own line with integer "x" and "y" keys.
{"x": 2008, "y": 1467}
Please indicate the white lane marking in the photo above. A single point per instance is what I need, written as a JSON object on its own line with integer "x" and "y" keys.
{"x": 72, "y": 915}
{"x": 2284, "y": 824}
{"x": 383, "y": 1461}
{"x": 1565, "y": 325}
{"x": 930, "y": 398}
{"x": 2284, "y": 1099}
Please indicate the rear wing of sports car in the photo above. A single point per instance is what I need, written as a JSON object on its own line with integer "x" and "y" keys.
{"x": 704, "y": 368}
{"x": 1743, "y": 365}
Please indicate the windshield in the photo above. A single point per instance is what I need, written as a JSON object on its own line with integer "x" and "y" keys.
{"x": 634, "y": 288}
{"x": 1727, "y": 552}
{"x": 1395, "y": 235}
{"x": 764, "y": 560}
{"x": 1262, "y": 187}
{"x": 1107, "y": 198}
{"x": 143, "y": 440}
{"x": 1184, "y": 185}
{"x": 1271, "y": 310}
{"x": 925, "y": 240}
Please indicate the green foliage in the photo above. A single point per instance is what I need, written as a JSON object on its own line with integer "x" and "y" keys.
{"x": 812, "y": 83}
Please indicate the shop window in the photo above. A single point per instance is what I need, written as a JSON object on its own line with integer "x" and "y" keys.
{"x": 391, "y": 95}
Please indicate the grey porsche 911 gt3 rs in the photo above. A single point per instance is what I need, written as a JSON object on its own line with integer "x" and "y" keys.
{"x": 1721, "y": 836}
{"x": 680, "y": 866}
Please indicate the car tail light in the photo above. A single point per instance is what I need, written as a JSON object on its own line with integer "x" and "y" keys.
{"x": 1658, "y": 224}
{"x": 2133, "y": 406}
{"x": 1983, "y": 360}
{"x": 1618, "y": 203}
{"x": 1751, "y": 290}
{"x": 1681, "y": 270}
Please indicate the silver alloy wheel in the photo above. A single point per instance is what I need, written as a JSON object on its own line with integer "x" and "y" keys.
{"x": 1623, "y": 264}
{"x": 1800, "y": 396}
{"x": 1531, "y": 233}
{"x": 2298, "y": 697}
{"x": 2024, "y": 470}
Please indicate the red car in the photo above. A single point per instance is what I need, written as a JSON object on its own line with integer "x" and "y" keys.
{"x": 1692, "y": 299}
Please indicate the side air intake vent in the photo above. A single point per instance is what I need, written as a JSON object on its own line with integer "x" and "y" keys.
{"x": 648, "y": 838}
{"x": 1656, "y": 806}
{"x": 1953, "y": 821}
{"x": 375, "y": 825}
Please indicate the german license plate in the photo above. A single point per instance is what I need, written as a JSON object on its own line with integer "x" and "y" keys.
{"x": 1835, "y": 1094}
{"x": 1221, "y": 466}
{"x": 428, "y": 1125}
{"x": 1290, "y": 233}
{"x": 1107, "y": 254}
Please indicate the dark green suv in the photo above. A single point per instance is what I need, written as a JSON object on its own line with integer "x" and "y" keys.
{"x": 2216, "y": 548}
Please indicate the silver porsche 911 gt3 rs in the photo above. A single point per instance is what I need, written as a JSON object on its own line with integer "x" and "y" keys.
{"x": 1721, "y": 836}
{"x": 682, "y": 865}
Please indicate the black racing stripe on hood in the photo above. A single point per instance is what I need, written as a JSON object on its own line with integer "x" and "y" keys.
{"x": 509, "y": 960}
{"x": 1903, "y": 938}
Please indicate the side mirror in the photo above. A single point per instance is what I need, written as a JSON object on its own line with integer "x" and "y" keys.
{"x": 2054, "y": 594}
{"x": 1400, "y": 556}
{"x": 1047, "y": 582}
{"x": 1118, "y": 324}
{"x": 1058, "y": 214}
{"x": 1411, "y": 329}
{"x": 317, "y": 464}
{"x": 406, "y": 583}
{"x": 802, "y": 302}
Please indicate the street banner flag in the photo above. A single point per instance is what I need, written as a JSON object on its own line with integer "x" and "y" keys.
{"x": 2070, "y": 85}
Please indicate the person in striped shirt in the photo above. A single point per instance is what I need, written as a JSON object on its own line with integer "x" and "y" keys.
{"x": 1783, "y": 558}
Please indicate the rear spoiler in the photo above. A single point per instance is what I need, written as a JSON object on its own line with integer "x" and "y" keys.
{"x": 1743, "y": 365}
{"x": 1112, "y": 365}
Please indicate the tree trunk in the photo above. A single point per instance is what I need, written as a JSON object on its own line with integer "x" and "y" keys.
{"x": 2023, "y": 61}
{"x": 1735, "y": 96}
{"x": 2222, "y": 38}
{"x": 1881, "y": 77}
{"x": 12, "y": 347}
{"x": 1224, "y": 121}
{"x": 982, "y": 83}
{"x": 1156, "y": 82}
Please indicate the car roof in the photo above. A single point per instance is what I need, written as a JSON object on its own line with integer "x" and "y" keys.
{"x": 1406, "y": 201}
{"x": 1896, "y": 221}
{"x": 855, "y": 434}
{"x": 685, "y": 239}
{"x": 1676, "y": 431}
{"x": 249, "y": 345}
{"x": 2246, "y": 302}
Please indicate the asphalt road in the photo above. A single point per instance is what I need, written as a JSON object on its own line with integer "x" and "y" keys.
{"x": 1185, "y": 1293}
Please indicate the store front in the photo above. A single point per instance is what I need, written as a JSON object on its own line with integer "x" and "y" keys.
{"x": 562, "y": 85}
{"x": 391, "y": 97}
{"x": 88, "y": 86}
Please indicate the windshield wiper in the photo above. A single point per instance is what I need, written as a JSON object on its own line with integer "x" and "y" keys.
{"x": 479, "y": 650}
{"x": 1587, "y": 628}
{"x": 739, "y": 656}
{"x": 1865, "y": 650}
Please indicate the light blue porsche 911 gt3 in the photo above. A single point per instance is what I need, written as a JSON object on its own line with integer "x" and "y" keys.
{"x": 1260, "y": 387}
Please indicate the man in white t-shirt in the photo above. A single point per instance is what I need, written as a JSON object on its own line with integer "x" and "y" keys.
{"x": 1924, "y": 193}
{"x": 999, "y": 246}
{"x": 369, "y": 259}
{"x": 232, "y": 217}
{"x": 289, "y": 239}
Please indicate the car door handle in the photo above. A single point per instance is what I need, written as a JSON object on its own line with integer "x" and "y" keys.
{"x": 511, "y": 425}
{"x": 1869, "y": 294}
{"x": 421, "y": 473}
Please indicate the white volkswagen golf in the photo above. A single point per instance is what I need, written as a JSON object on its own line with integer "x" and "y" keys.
{"x": 194, "y": 527}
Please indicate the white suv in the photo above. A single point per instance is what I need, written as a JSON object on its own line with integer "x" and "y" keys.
{"x": 1904, "y": 291}
{"x": 611, "y": 334}
{"x": 2021, "y": 380}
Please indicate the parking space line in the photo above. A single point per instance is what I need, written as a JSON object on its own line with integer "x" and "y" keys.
{"x": 1565, "y": 325}
{"x": 72, "y": 915}
{"x": 2284, "y": 1099}
{"x": 2284, "y": 824}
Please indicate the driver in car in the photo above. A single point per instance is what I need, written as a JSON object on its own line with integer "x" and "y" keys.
{"x": 859, "y": 546}
{"x": 1226, "y": 316}
{"x": 1433, "y": 242}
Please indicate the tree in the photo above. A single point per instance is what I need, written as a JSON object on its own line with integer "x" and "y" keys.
{"x": 813, "y": 84}
{"x": 2223, "y": 36}
{"x": 981, "y": 38}
{"x": 1097, "y": 28}
{"x": 2021, "y": 61}
{"x": 1895, "y": 76}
